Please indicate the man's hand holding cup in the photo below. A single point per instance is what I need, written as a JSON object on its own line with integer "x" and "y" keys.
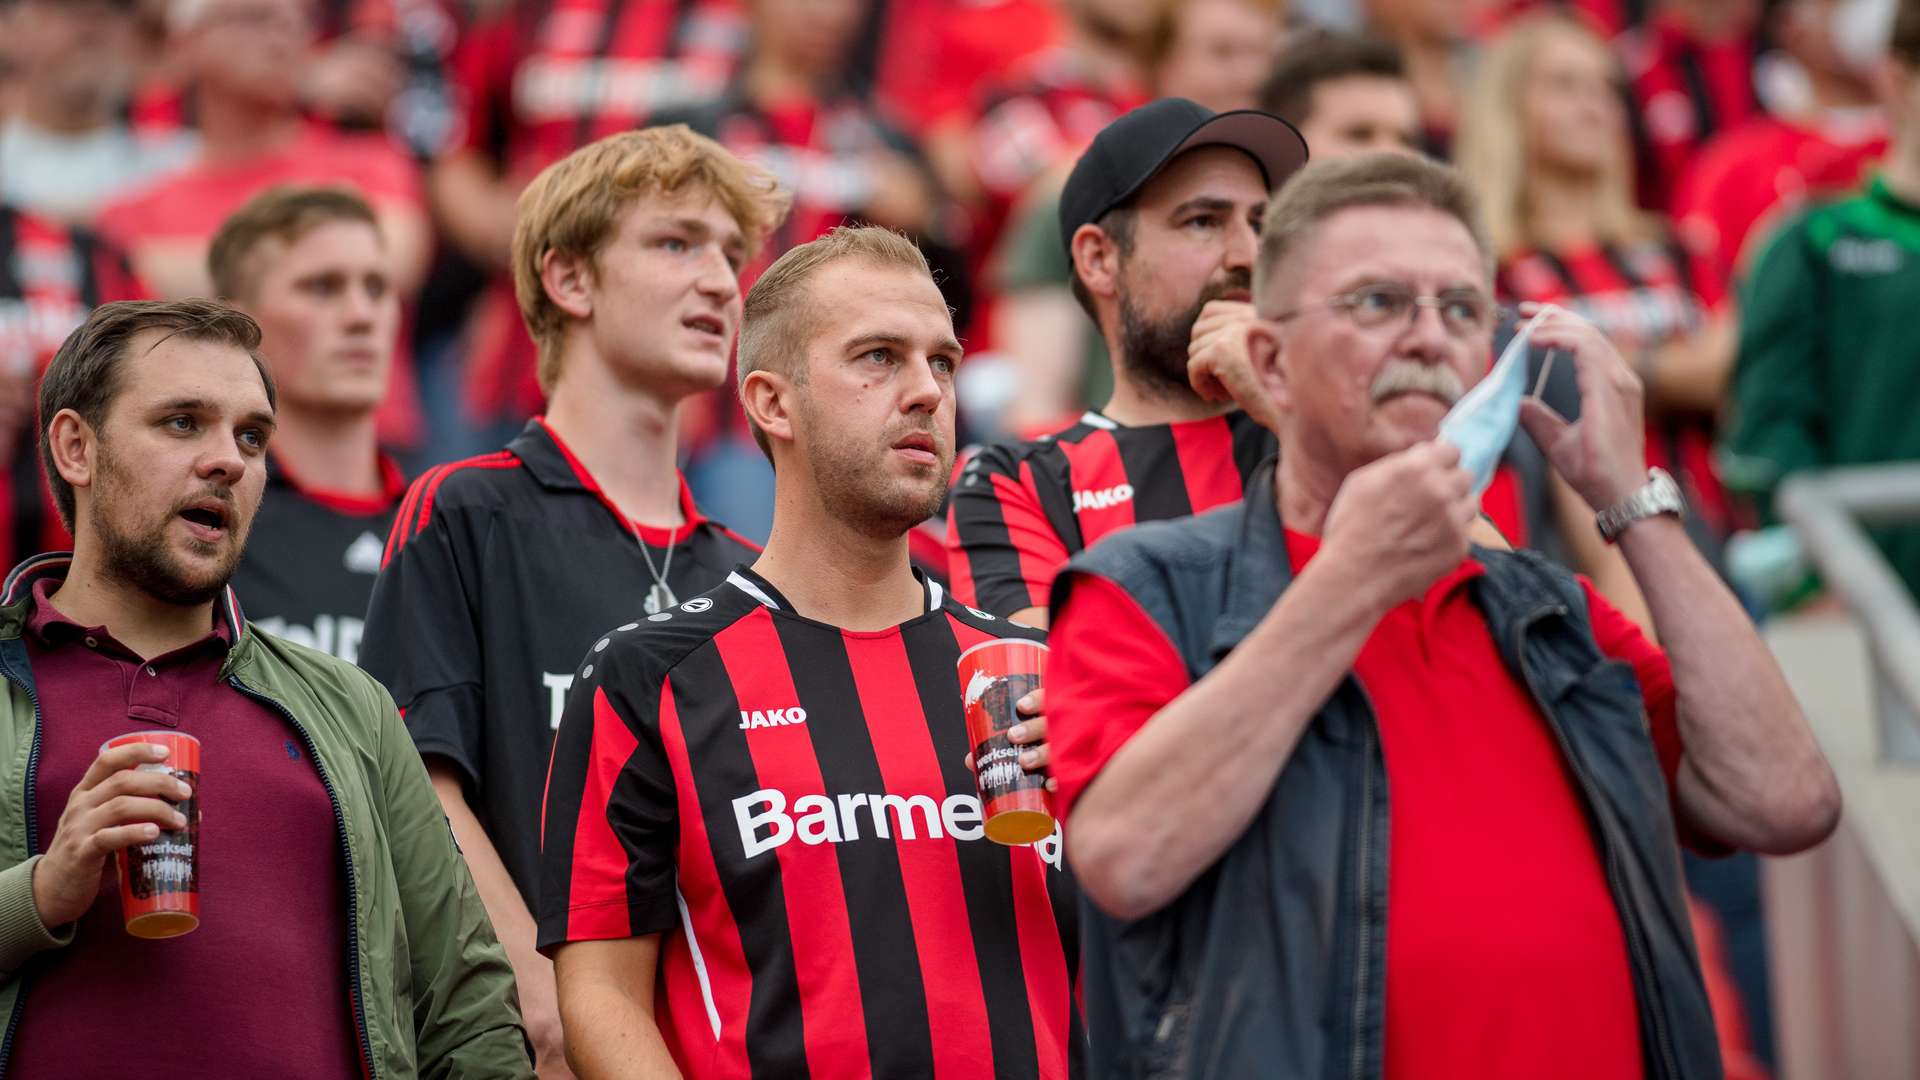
{"x": 114, "y": 807}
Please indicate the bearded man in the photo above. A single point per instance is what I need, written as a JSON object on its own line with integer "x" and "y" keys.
{"x": 330, "y": 875}
{"x": 1161, "y": 218}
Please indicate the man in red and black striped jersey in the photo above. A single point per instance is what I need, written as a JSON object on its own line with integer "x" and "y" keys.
{"x": 1160, "y": 216}
{"x": 312, "y": 267}
{"x": 51, "y": 276}
{"x": 500, "y": 569}
{"x": 763, "y": 852}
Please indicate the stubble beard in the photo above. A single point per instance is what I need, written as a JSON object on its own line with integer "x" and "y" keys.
{"x": 861, "y": 491}
{"x": 143, "y": 559}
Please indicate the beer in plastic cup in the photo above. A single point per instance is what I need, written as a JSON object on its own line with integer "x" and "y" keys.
{"x": 994, "y": 675}
{"x": 160, "y": 879}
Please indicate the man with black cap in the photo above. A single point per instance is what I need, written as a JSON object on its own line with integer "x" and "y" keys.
{"x": 1161, "y": 219}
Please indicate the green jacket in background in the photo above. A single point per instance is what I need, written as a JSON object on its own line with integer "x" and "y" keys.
{"x": 1828, "y": 372}
{"x": 433, "y": 994}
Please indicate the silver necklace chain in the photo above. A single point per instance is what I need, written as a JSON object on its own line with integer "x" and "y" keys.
{"x": 660, "y": 597}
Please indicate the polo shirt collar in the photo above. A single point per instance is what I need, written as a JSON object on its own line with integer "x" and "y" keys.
{"x": 228, "y": 620}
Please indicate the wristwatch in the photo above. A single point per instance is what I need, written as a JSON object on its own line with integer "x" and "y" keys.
{"x": 1660, "y": 495}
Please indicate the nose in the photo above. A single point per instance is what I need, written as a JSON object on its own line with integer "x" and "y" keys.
{"x": 1425, "y": 337}
{"x": 1243, "y": 244}
{"x": 717, "y": 279}
{"x": 222, "y": 462}
{"x": 361, "y": 306}
{"x": 922, "y": 390}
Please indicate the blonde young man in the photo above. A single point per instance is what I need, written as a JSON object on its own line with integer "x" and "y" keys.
{"x": 763, "y": 852}
{"x": 501, "y": 569}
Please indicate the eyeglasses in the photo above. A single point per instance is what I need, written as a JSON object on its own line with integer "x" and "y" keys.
{"x": 1464, "y": 312}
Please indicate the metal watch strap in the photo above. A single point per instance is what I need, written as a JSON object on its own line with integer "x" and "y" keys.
{"x": 1659, "y": 495}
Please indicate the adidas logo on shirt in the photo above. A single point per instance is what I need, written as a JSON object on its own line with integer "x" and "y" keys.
{"x": 1103, "y": 499}
{"x": 364, "y": 554}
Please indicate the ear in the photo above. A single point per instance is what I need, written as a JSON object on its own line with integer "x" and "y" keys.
{"x": 73, "y": 442}
{"x": 1097, "y": 260}
{"x": 768, "y": 398}
{"x": 1264, "y": 355}
{"x": 568, "y": 281}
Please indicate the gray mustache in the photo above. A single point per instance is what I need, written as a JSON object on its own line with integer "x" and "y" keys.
{"x": 1407, "y": 376}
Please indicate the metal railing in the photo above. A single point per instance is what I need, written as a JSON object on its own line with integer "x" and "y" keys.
{"x": 1827, "y": 511}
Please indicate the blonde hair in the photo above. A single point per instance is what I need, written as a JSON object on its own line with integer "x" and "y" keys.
{"x": 1493, "y": 150}
{"x": 1325, "y": 188}
{"x": 780, "y": 319}
{"x": 574, "y": 207}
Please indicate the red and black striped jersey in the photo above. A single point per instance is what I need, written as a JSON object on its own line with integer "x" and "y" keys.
{"x": 1018, "y": 511}
{"x": 1682, "y": 91}
{"x": 1641, "y": 295}
{"x": 498, "y": 573}
{"x": 51, "y": 276}
{"x": 788, "y": 804}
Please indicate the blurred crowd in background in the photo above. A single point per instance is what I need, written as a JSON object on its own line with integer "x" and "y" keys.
{"x": 1633, "y": 155}
{"x": 1654, "y": 164}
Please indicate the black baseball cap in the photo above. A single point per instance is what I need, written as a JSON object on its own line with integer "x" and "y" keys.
{"x": 1130, "y": 151}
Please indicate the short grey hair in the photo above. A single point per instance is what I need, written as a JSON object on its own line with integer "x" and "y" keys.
{"x": 1325, "y": 188}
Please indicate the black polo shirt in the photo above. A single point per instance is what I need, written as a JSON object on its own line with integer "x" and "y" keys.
{"x": 501, "y": 571}
{"x": 312, "y": 556}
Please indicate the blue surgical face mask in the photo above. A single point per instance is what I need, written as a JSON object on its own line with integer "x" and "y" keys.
{"x": 1481, "y": 423}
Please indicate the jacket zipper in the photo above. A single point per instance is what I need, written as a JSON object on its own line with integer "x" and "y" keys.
{"x": 1630, "y": 921}
{"x": 33, "y": 845}
{"x": 346, "y": 855}
{"x": 1364, "y": 895}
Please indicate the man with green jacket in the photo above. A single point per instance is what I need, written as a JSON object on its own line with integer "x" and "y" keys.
{"x": 340, "y": 933}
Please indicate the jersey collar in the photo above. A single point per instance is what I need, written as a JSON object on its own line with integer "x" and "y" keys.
{"x": 393, "y": 485}
{"x": 554, "y": 465}
{"x": 763, "y": 593}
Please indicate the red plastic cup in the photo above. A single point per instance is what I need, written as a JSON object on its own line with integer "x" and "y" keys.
{"x": 160, "y": 880}
{"x": 994, "y": 676}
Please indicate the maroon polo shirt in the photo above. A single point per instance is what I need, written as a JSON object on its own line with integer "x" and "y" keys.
{"x": 260, "y": 989}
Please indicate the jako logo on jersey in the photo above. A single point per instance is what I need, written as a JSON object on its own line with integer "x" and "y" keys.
{"x": 1103, "y": 499}
{"x": 771, "y": 717}
{"x": 818, "y": 819}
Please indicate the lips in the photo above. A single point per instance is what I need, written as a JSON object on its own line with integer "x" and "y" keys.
{"x": 206, "y": 519}
{"x": 705, "y": 324}
{"x": 918, "y": 447}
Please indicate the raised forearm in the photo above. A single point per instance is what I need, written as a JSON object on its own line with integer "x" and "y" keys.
{"x": 1752, "y": 774}
{"x": 1177, "y": 794}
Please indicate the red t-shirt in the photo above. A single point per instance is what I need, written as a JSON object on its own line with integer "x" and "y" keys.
{"x": 1505, "y": 955}
{"x": 260, "y": 988}
{"x": 1747, "y": 180}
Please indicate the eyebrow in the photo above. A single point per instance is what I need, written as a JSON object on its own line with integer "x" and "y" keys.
{"x": 702, "y": 229}
{"x": 1205, "y": 202}
{"x": 201, "y": 405}
{"x": 948, "y": 345}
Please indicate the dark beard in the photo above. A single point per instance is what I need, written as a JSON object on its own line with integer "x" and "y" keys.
{"x": 143, "y": 560}
{"x": 1155, "y": 351}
